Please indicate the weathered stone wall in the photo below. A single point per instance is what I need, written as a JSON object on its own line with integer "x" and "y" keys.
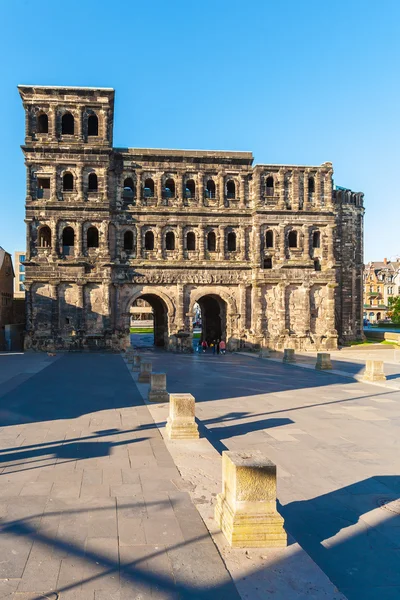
{"x": 274, "y": 251}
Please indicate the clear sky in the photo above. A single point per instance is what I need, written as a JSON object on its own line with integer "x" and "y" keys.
{"x": 294, "y": 82}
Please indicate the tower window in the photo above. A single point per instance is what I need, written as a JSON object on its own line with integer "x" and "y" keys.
{"x": 68, "y": 237}
{"x": 149, "y": 240}
{"x": 92, "y": 182}
{"x": 317, "y": 265}
{"x": 128, "y": 240}
{"x": 128, "y": 189}
{"x": 269, "y": 186}
{"x": 93, "y": 125}
{"x": 191, "y": 241}
{"x": 268, "y": 263}
{"x": 311, "y": 185}
{"x": 43, "y": 123}
{"x": 68, "y": 182}
{"x": 92, "y": 237}
{"x": 169, "y": 190}
{"x": 316, "y": 240}
{"x": 210, "y": 189}
{"x": 231, "y": 189}
{"x": 269, "y": 239}
{"x": 45, "y": 237}
{"x": 211, "y": 242}
{"x": 190, "y": 190}
{"x": 67, "y": 124}
{"x": 292, "y": 239}
{"x": 231, "y": 242}
{"x": 149, "y": 188}
{"x": 170, "y": 241}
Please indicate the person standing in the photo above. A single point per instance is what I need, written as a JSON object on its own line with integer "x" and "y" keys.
{"x": 222, "y": 346}
{"x": 217, "y": 345}
{"x": 204, "y": 345}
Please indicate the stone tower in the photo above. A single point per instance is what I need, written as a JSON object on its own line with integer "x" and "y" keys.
{"x": 271, "y": 253}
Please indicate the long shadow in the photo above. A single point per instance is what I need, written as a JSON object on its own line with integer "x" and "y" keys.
{"x": 358, "y": 549}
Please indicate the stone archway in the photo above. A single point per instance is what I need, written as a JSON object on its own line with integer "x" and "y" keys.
{"x": 213, "y": 315}
{"x": 163, "y": 313}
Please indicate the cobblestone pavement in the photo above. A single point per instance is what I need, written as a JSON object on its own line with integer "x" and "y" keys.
{"x": 92, "y": 506}
{"x": 335, "y": 441}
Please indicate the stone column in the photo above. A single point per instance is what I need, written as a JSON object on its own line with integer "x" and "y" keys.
{"x": 306, "y": 310}
{"x": 78, "y": 122}
{"x": 221, "y": 189}
{"x": 200, "y": 188}
{"x": 246, "y": 508}
{"x": 295, "y": 190}
{"x": 180, "y": 306}
{"x": 79, "y": 183}
{"x": 179, "y": 189}
{"x": 78, "y": 250}
{"x": 242, "y": 191}
{"x": 306, "y": 198}
{"x": 330, "y": 244}
{"x": 242, "y": 244}
{"x": 282, "y": 242}
{"x": 221, "y": 242}
{"x": 54, "y": 240}
{"x": 180, "y": 242}
{"x": 28, "y": 239}
{"x": 52, "y": 117}
{"x": 306, "y": 243}
{"x": 158, "y": 189}
{"x": 159, "y": 242}
{"x": 242, "y": 306}
{"x": 28, "y": 306}
{"x": 281, "y": 312}
{"x": 318, "y": 189}
{"x": 138, "y": 187}
{"x": 256, "y": 310}
{"x": 202, "y": 242}
{"x": 282, "y": 204}
{"x": 330, "y": 310}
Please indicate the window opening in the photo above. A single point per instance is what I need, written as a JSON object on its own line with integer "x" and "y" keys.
{"x": 67, "y": 124}
{"x": 230, "y": 190}
{"x": 149, "y": 240}
{"x": 293, "y": 239}
{"x": 93, "y": 125}
{"x": 92, "y": 237}
{"x": 269, "y": 239}
{"x": 68, "y": 182}
{"x": 170, "y": 241}
{"x": 231, "y": 241}
{"x": 210, "y": 189}
{"x": 316, "y": 241}
{"x": 149, "y": 188}
{"x": 45, "y": 237}
{"x": 43, "y": 123}
{"x": 128, "y": 240}
{"x": 267, "y": 263}
{"x": 92, "y": 182}
{"x": 211, "y": 242}
{"x": 269, "y": 186}
{"x": 191, "y": 241}
{"x": 190, "y": 189}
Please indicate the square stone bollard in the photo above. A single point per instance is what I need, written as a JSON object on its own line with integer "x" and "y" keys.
{"x": 264, "y": 353}
{"x": 158, "y": 388}
{"x": 288, "y": 355}
{"x": 181, "y": 424}
{"x": 374, "y": 371}
{"x": 323, "y": 361}
{"x": 145, "y": 372}
{"x": 136, "y": 360}
{"x": 246, "y": 508}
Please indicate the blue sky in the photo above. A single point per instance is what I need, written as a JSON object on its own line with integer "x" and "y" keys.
{"x": 294, "y": 82}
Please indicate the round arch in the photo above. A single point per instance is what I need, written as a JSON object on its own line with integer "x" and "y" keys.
{"x": 226, "y": 312}
{"x": 163, "y": 312}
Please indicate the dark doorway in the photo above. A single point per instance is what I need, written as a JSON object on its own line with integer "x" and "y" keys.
{"x": 160, "y": 319}
{"x": 213, "y": 318}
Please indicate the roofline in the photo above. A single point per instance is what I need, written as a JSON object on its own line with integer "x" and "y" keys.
{"x": 63, "y": 87}
{"x": 239, "y": 152}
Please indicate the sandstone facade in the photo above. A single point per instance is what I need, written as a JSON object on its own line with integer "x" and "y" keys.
{"x": 271, "y": 253}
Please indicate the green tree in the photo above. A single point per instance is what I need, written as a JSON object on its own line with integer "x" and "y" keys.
{"x": 394, "y": 308}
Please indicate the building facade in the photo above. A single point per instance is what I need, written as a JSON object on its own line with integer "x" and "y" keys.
{"x": 6, "y": 295}
{"x": 272, "y": 254}
{"x": 19, "y": 271}
{"x": 381, "y": 282}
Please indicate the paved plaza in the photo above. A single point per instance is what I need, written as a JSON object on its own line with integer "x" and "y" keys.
{"x": 93, "y": 507}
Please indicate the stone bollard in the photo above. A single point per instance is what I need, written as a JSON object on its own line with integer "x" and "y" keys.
{"x": 181, "y": 424}
{"x": 323, "y": 361}
{"x": 246, "y": 508}
{"x": 145, "y": 372}
{"x": 158, "y": 388}
{"x": 136, "y": 360}
{"x": 264, "y": 353}
{"x": 374, "y": 371}
{"x": 288, "y": 355}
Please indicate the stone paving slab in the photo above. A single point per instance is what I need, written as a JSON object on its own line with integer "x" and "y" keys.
{"x": 334, "y": 441}
{"x": 90, "y": 500}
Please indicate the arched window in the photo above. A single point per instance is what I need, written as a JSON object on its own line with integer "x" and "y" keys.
{"x": 191, "y": 241}
{"x": 149, "y": 188}
{"x": 149, "y": 240}
{"x": 93, "y": 125}
{"x": 92, "y": 182}
{"x": 45, "y": 237}
{"x": 68, "y": 182}
{"x": 316, "y": 239}
{"x": 68, "y": 237}
{"x": 128, "y": 189}
{"x": 231, "y": 241}
{"x": 269, "y": 186}
{"x": 311, "y": 185}
{"x": 230, "y": 189}
{"x": 210, "y": 189}
{"x": 67, "y": 124}
{"x": 292, "y": 239}
{"x": 43, "y": 123}
{"x": 169, "y": 190}
{"x": 170, "y": 241}
{"x": 190, "y": 190}
{"x": 269, "y": 239}
{"x": 92, "y": 237}
{"x": 128, "y": 240}
{"x": 211, "y": 242}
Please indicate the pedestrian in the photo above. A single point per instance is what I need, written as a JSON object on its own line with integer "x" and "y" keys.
{"x": 217, "y": 346}
{"x": 213, "y": 346}
{"x": 222, "y": 346}
{"x": 199, "y": 347}
{"x": 204, "y": 345}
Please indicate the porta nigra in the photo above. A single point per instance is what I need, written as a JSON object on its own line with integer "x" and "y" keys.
{"x": 272, "y": 254}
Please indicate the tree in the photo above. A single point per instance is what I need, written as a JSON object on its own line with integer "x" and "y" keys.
{"x": 394, "y": 308}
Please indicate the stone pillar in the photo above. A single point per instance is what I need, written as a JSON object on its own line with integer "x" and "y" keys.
{"x": 330, "y": 310}
{"x": 306, "y": 198}
{"x": 202, "y": 243}
{"x": 28, "y": 306}
{"x": 158, "y": 189}
{"x": 221, "y": 242}
{"x": 200, "y": 188}
{"x": 295, "y": 190}
{"x": 180, "y": 306}
{"x": 288, "y": 355}
{"x": 145, "y": 372}
{"x": 54, "y": 241}
{"x": 28, "y": 239}
{"x": 136, "y": 362}
{"x": 306, "y": 243}
{"x": 318, "y": 190}
{"x": 282, "y": 203}
{"x": 242, "y": 243}
{"x": 242, "y": 191}
{"x": 138, "y": 187}
{"x": 181, "y": 424}
{"x": 180, "y": 242}
{"x": 282, "y": 242}
{"x": 221, "y": 189}
{"x": 158, "y": 388}
{"x": 306, "y": 309}
{"x": 374, "y": 371}
{"x": 179, "y": 191}
{"x": 78, "y": 250}
{"x": 79, "y": 183}
{"x": 159, "y": 242}
{"x": 323, "y": 361}
{"x": 246, "y": 508}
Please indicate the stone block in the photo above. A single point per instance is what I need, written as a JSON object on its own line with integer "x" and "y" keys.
{"x": 181, "y": 422}
{"x": 374, "y": 371}
{"x": 145, "y": 372}
{"x": 136, "y": 360}
{"x": 264, "y": 353}
{"x": 246, "y": 508}
{"x": 158, "y": 388}
{"x": 288, "y": 355}
{"x": 323, "y": 361}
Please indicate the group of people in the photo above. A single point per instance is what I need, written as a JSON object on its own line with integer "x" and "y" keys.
{"x": 216, "y": 346}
